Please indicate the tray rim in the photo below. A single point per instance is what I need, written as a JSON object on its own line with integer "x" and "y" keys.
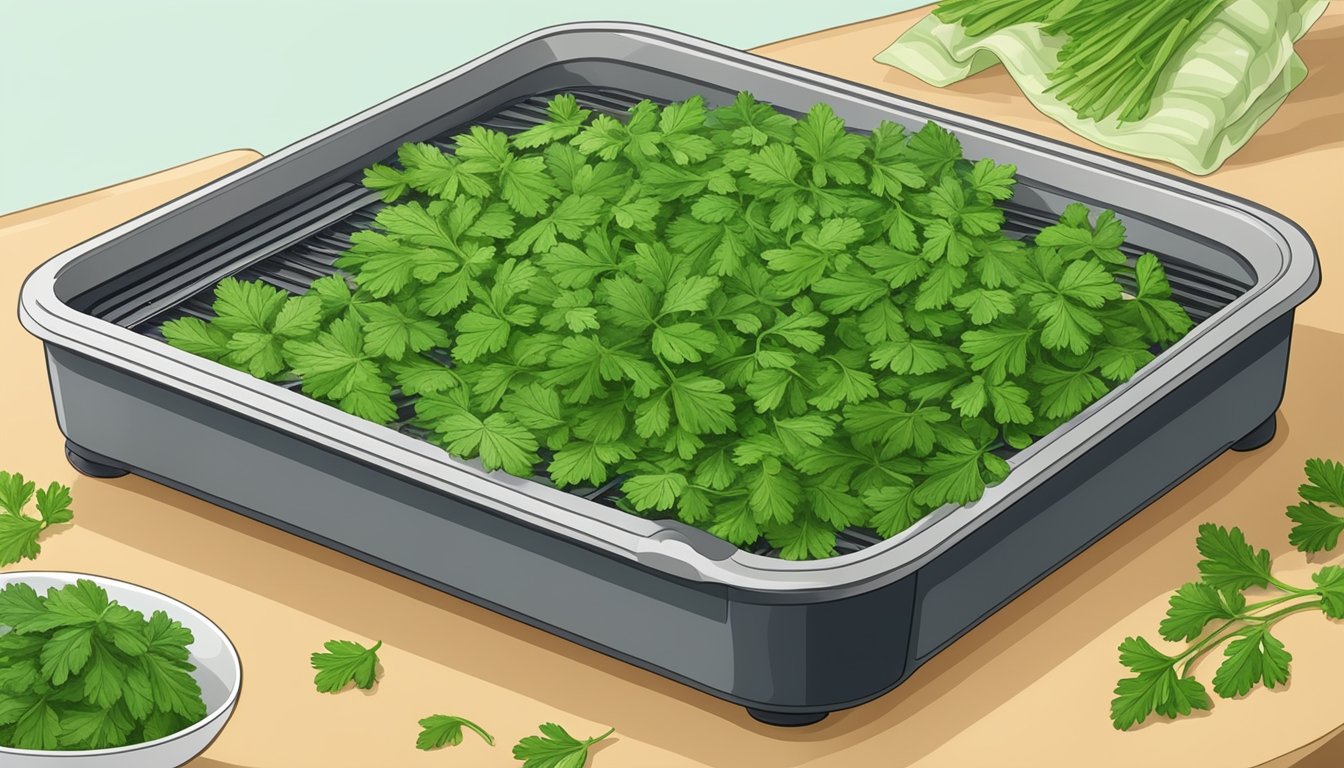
{"x": 654, "y": 544}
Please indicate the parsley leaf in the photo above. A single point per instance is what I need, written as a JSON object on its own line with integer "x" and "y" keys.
{"x": 391, "y": 332}
{"x": 252, "y": 323}
{"x": 18, "y": 532}
{"x": 1078, "y": 238}
{"x": 1316, "y": 527}
{"x": 895, "y": 508}
{"x": 1196, "y": 604}
{"x": 344, "y": 662}
{"x": 999, "y": 352}
{"x": 197, "y": 337}
{"x": 566, "y": 119}
{"x": 1066, "y": 391}
{"x": 500, "y": 441}
{"x": 1229, "y": 562}
{"x": 438, "y": 731}
{"x": 806, "y": 536}
{"x": 1254, "y": 656}
{"x": 1159, "y": 315}
{"x": 960, "y": 472}
{"x": 1330, "y": 586}
{"x": 891, "y": 169}
{"x": 432, "y": 172}
{"x": 821, "y": 137}
{"x": 1326, "y": 482}
{"x": 555, "y": 748}
{"x": 934, "y": 149}
{"x": 751, "y": 123}
{"x": 335, "y": 366}
{"x": 654, "y": 491}
{"x": 1063, "y": 304}
{"x": 1162, "y": 692}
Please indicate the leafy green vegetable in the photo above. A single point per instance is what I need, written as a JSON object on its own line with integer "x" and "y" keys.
{"x": 251, "y": 324}
{"x": 1316, "y": 527}
{"x": 446, "y": 731}
{"x": 79, "y": 671}
{"x": 344, "y": 662}
{"x": 19, "y": 532}
{"x": 766, "y": 326}
{"x": 1252, "y": 655}
{"x": 1114, "y": 57}
{"x": 555, "y": 748}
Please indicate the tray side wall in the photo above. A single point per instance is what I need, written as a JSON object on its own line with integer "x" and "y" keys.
{"x": 730, "y": 643}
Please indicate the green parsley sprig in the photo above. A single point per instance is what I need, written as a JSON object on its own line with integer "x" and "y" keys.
{"x": 1252, "y": 655}
{"x": 19, "y": 532}
{"x": 438, "y": 731}
{"x": 1316, "y": 527}
{"x": 79, "y": 671}
{"x": 555, "y": 748}
{"x": 344, "y": 662}
{"x": 764, "y": 326}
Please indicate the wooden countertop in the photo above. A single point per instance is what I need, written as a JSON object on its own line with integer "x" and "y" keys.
{"x": 1028, "y": 687}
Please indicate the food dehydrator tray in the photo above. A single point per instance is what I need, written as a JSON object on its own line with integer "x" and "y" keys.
{"x": 776, "y": 636}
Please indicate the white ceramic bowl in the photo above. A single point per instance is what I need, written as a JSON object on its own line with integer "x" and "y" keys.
{"x": 218, "y": 671}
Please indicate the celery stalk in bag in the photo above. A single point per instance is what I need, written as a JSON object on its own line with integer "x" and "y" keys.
{"x": 1220, "y": 85}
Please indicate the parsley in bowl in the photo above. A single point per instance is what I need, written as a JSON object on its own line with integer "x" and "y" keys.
{"x": 99, "y": 672}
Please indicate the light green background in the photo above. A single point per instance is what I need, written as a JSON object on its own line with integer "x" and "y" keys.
{"x": 93, "y": 92}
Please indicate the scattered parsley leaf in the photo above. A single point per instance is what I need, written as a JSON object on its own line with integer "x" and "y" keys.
{"x": 19, "y": 532}
{"x": 1326, "y": 482}
{"x": 345, "y": 661}
{"x": 555, "y": 748}
{"x": 446, "y": 731}
{"x": 1316, "y": 527}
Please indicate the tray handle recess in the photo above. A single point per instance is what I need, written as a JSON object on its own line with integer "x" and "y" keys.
{"x": 680, "y": 549}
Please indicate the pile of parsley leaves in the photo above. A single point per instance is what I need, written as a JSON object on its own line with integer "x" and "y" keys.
{"x": 765, "y": 326}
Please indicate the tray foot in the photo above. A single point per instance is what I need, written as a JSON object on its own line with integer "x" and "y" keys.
{"x": 87, "y": 462}
{"x": 786, "y": 719}
{"x": 1260, "y": 436}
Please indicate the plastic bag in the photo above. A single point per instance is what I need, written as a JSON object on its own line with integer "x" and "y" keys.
{"x": 1209, "y": 102}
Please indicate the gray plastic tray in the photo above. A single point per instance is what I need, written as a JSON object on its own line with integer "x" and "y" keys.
{"x": 773, "y": 635}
